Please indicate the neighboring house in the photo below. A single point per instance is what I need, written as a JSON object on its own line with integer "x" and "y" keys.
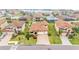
{"x": 38, "y": 16}
{"x": 39, "y": 27}
{"x": 18, "y": 25}
{"x": 69, "y": 18}
{"x": 75, "y": 24}
{"x": 65, "y": 26}
{"x": 15, "y": 17}
{"x": 76, "y": 14}
{"x": 3, "y": 23}
{"x": 15, "y": 26}
{"x": 22, "y": 18}
{"x": 51, "y": 18}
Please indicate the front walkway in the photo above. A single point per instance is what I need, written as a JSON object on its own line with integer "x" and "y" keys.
{"x": 42, "y": 39}
{"x": 65, "y": 40}
{"x": 4, "y": 41}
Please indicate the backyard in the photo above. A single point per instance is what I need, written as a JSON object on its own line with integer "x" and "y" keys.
{"x": 53, "y": 36}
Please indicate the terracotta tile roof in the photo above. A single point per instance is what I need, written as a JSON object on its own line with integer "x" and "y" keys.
{"x": 63, "y": 24}
{"x": 17, "y": 23}
{"x": 2, "y": 21}
{"x": 39, "y": 27}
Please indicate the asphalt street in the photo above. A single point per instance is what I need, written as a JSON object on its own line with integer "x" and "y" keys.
{"x": 41, "y": 47}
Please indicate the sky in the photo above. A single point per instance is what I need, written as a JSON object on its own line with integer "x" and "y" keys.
{"x": 39, "y": 4}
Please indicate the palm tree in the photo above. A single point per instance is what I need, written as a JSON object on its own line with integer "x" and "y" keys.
{"x": 27, "y": 30}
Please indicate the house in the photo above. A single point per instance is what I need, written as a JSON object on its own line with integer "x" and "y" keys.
{"x": 69, "y": 18}
{"x": 65, "y": 26}
{"x": 3, "y": 23}
{"x": 15, "y": 26}
{"x": 22, "y": 18}
{"x": 51, "y": 18}
{"x": 18, "y": 25}
{"x": 40, "y": 27}
{"x": 76, "y": 14}
{"x": 38, "y": 16}
{"x": 75, "y": 24}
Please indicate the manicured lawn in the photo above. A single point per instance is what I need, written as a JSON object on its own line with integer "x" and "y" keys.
{"x": 75, "y": 39}
{"x": 0, "y": 33}
{"x": 22, "y": 40}
{"x": 53, "y": 37}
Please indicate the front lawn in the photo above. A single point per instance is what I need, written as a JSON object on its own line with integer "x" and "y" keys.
{"x": 23, "y": 41}
{"x": 75, "y": 39}
{"x": 0, "y": 33}
{"x": 53, "y": 36}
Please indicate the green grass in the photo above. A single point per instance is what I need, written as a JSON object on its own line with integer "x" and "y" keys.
{"x": 75, "y": 39}
{"x": 22, "y": 40}
{"x": 0, "y": 33}
{"x": 54, "y": 38}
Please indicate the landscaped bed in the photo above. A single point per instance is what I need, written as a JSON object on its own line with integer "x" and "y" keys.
{"x": 75, "y": 38}
{"x": 53, "y": 36}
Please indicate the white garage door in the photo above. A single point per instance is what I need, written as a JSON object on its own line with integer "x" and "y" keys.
{"x": 42, "y": 33}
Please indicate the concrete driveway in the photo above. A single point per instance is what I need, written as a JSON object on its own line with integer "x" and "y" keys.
{"x": 65, "y": 40}
{"x": 7, "y": 37}
{"x": 42, "y": 39}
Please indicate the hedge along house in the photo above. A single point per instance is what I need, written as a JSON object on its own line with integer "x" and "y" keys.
{"x": 63, "y": 26}
{"x": 40, "y": 27}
